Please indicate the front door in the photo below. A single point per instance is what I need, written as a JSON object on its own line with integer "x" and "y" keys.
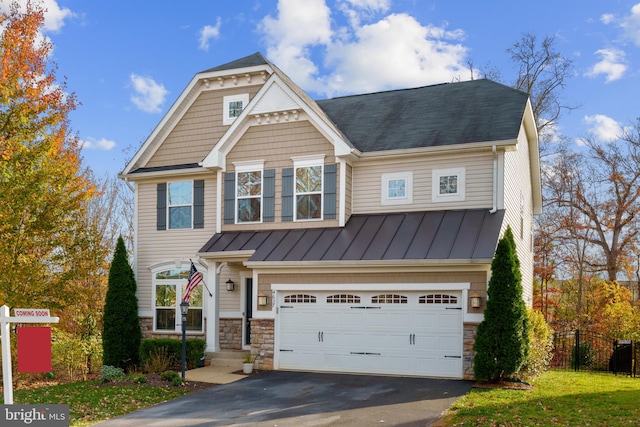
{"x": 248, "y": 311}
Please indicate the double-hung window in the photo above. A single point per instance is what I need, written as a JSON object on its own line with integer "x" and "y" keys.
{"x": 169, "y": 287}
{"x": 249, "y": 192}
{"x": 180, "y": 204}
{"x": 308, "y": 188}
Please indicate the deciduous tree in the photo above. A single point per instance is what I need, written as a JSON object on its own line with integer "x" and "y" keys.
{"x": 43, "y": 189}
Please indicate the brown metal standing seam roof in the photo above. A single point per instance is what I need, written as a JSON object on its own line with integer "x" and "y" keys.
{"x": 446, "y": 235}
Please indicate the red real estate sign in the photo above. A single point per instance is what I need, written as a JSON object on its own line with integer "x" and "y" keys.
{"x": 34, "y": 348}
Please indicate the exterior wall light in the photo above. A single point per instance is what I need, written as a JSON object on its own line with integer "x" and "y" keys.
{"x": 230, "y": 285}
{"x": 262, "y": 299}
{"x": 475, "y": 300}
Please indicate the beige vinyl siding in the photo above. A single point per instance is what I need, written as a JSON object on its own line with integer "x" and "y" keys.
{"x": 195, "y": 135}
{"x": 367, "y": 188}
{"x": 517, "y": 182}
{"x": 277, "y": 144}
{"x": 230, "y": 301}
{"x": 157, "y": 246}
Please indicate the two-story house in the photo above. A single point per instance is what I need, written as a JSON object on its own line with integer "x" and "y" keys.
{"x": 352, "y": 234}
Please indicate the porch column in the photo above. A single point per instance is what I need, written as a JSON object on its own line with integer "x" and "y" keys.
{"x": 213, "y": 318}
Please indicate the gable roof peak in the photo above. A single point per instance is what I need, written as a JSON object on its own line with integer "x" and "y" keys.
{"x": 252, "y": 60}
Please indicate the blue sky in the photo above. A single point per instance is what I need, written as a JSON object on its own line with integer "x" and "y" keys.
{"x": 128, "y": 61}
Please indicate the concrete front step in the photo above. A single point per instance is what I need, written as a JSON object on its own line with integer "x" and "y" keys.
{"x": 230, "y": 358}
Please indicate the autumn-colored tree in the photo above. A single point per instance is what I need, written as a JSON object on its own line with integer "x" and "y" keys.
{"x": 43, "y": 189}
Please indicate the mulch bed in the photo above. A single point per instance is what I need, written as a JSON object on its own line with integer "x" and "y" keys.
{"x": 154, "y": 380}
{"x": 508, "y": 385}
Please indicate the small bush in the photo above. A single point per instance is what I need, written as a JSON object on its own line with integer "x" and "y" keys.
{"x": 176, "y": 381}
{"x": 169, "y": 376}
{"x": 540, "y": 346}
{"x": 140, "y": 379}
{"x": 111, "y": 373}
{"x": 159, "y": 360}
{"x": 194, "y": 348}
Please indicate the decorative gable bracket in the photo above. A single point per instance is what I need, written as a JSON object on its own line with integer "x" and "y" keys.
{"x": 277, "y": 116}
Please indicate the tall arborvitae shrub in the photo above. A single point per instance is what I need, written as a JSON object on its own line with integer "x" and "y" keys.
{"x": 121, "y": 333}
{"x": 501, "y": 344}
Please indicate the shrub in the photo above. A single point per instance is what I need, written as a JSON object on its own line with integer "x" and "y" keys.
{"x": 151, "y": 347}
{"x": 169, "y": 376}
{"x": 176, "y": 381}
{"x": 121, "y": 327}
{"x": 111, "y": 373}
{"x": 501, "y": 339}
{"x": 540, "y": 346}
{"x": 158, "y": 360}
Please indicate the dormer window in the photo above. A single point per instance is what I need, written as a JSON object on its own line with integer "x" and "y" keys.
{"x": 233, "y": 106}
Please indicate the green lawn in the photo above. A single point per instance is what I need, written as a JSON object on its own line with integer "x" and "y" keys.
{"x": 89, "y": 403}
{"x": 558, "y": 399}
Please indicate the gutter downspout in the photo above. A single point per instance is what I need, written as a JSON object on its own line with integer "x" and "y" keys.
{"x": 494, "y": 209}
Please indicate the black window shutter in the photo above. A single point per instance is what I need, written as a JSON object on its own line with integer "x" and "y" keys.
{"x": 269, "y": 195}
{"x": 198, "y": 203}
{"x": 330, "y": 191}
{"x": 161, "y": 206}
{"x": 229, "y": 197}
{"x": 287, "y": 194}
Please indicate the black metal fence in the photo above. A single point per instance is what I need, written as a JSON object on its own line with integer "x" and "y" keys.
{"x": 583, "y": 350}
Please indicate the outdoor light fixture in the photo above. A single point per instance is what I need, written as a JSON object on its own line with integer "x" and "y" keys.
{"x": 230, "y": 285}
{"x": 184, "y": 309}
{"x": 262, "y": 299}
{"x": 475, "y": 300}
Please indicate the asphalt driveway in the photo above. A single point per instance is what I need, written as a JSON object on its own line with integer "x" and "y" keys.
{"x": 281, "y": 398}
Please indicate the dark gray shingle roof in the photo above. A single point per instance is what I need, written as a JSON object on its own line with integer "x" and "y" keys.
{"x": 435, "y": 235}
{"x": 429, "y": 116}
{"x": 247, "y": 61}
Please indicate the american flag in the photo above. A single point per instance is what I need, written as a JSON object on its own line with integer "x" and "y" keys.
{"x": 195, "y": 278}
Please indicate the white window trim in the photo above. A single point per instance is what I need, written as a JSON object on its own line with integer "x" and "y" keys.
{"x": 385, "y": 200}
{"x": 436, "y": 197}
{"x": 250, "y": 166}
{"x": 169, "y": 206}
{"x": 228, "y": 100}
{"x": 306, "y": 162}
{"x": 179, "y": 283}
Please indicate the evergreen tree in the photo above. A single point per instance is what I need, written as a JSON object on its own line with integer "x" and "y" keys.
{"x": 121, "y": 334}
{"x": 501, "y": 344}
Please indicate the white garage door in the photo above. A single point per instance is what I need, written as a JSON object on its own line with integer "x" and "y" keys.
{"x": 408, "y": 333}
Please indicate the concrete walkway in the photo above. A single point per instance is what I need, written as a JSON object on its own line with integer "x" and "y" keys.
{"x": 214, "y": 374}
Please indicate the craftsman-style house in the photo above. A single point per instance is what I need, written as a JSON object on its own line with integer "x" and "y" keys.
{"x": 352, "y": 234}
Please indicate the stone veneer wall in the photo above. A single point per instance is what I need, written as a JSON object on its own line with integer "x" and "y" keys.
{"x": 262, "y": 340}
{"x": 230, "y": 334}
{"x": 468, "y": 354}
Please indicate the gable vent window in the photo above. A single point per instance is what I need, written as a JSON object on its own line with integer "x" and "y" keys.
{"x": 233, "y": 106}
{"x": 389, "y": 299}
{"x": 448, "y": 185}
{"x": 343, "y": 299}
{"x": 300, "y": 298}
{"x": 438, "y": 299}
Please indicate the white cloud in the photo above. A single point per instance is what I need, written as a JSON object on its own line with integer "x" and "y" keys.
{"x": 607, "y": 18}
{"x": 389, "y": 52}
{"x": 54, "y": 15}
{"x": 612, "y": 64}
{"x": 98, "y": 144}
{"x": 630, "y": 25}
{"x": 604, "y": 128}
{"x": 148, "y": 95}
{"x": 209, "y": 32}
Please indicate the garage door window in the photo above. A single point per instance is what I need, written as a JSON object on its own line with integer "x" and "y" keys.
{"x": 438, "y": 299}
{"x": 300, "y": 298}
{"x": 388, "y": 299}
{"x": 343, "y": 299}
